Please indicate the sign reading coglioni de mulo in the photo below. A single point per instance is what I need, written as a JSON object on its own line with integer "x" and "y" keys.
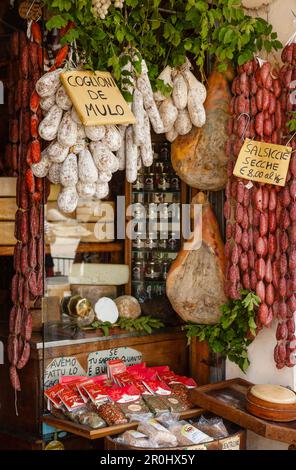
{"x": 96, "y": 98}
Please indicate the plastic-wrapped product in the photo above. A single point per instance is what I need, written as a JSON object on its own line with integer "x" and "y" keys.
{"x": 137, "y": 439}
{"x": 112, "y": 414}
{"x": 182, "y": 393}
{"x": 156, "y": 404}
{"x": 162, "y": 436}
{"x": 214, "y": 427}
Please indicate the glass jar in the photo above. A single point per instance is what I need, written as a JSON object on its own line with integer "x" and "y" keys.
{"x": 173, "y": 241}
{"x": 149, "y": 182}
{"x": 138, "y": 270}
{"x": 152, "y": 270}
{"x": 151, "y": 242}
{"x": 163, "y": 182}
{"x": 163, "y": 243}
{"x": 165, "y": 266}
{"x": 139, "y": 241}
{"x": 174, "y": 183}
{"x": 138, "y": 185}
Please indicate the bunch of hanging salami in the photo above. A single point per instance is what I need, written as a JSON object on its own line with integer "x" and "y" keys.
{"x": 261, "y": 218}
{"x": 27, "y": 283}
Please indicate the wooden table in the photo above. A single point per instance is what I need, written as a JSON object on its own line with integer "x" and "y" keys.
{"x": 227, "y": 399}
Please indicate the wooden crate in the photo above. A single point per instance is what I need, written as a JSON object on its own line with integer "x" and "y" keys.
{"x": 7, "y": 210}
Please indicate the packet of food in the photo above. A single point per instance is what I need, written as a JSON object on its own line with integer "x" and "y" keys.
{"x": 129, "y": 399}
{"x": 68, "y": 379}
{"x": 52, "y": 395}
{"x": 185, "y": 432}
{"x": 111, "y": 413}
{"x": 214, "y": 427}
{"x": 70, "y": 399}
{"x": 115, "y": 366}
{"x": 137, "y": 439}
{"x": 156, "y": 431}
{"x": 97, "y": 393}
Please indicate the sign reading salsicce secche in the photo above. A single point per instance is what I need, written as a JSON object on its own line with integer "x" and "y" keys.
{"x": 263, "y": 162}
{"x": 96, "y": 98}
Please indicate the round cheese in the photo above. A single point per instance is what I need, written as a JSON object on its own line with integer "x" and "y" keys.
{"x": 274, "y": 394}
{"x": 106, "y": 310}
{"x": 256, "y": 4}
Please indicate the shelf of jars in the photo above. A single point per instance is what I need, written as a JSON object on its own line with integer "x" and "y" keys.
{"x": 156, "y": 212}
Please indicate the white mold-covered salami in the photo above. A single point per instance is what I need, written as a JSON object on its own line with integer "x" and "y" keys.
{"x": 68, "y": 199}
{"x": 102, "y": 190}
{"x": 67, "y": 133}
{"x": 78, "y": 147}
{"x": 41, "y": 168}
{"x": 54, "y": 173}
{"x": 112, "y": 138}
{"x": 131, "y": 156}
{"x": 196, "y": 110}
{"x": 75, "y": 116}
{"x": 180, "y": 92}
{"x": 47, "y": 103}
{"x": 86, "y": 190}
{"x": 146, "y": 149}
{"x": 80, "y": 131}
{"x": 121, "y": 152}
{"x": 138, "y": 110}
{"x": 49, "y": 83}
{"x": 166, "y": 77}
{"x": 104, "y": 176}
{"x": 95, "y": 133}
{"x": 183, "y": 124}
{"x": 57, "y": 152}
{"x": 171, "y": 135}
{"x": 62, "y": 99}
{"x": 144, "y": 85}
{"x": 168, "y": 113}
{"x": 195, "y": 85}
{"x": 87, "y": 169}
{"x": 104, "y": 159}
{"x": 49, "y": 126}
{"x": 69, "y": 171}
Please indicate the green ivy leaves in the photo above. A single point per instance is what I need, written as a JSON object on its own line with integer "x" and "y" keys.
{"x": 164, "y": 32}
{"x": 232, "y": 335}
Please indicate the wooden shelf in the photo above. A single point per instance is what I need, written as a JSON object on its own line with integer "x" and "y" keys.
{"x": 88, "y": 433}
{"x": 111, "y": 247}
{"x": 228, "y": 400}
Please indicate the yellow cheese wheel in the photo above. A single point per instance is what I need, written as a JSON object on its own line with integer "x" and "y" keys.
{"x": 274, "y": 394}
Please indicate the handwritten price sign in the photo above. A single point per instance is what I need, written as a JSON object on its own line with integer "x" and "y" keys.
{"x": 263, "y": 162}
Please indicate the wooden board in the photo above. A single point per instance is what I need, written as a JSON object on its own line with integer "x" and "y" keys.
{"x": 7, "y": 208}
{"x": 228, "y": 400}
{"x": 7, "y": 186}
{"x": 89, "y": 433}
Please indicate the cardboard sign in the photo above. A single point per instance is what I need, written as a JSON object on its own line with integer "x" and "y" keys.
{"x": 96, "y": 98}
{"x": 263, "y": 162}
{"x": 61, "y": 366}
{"x": 231, "y": 443}
{"x": 97, "y": 361}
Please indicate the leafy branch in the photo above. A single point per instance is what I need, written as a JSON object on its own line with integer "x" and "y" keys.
{"x": 234, "y": 332}
{"x": 164, "y": 31}
{"x": 142, "y": 324}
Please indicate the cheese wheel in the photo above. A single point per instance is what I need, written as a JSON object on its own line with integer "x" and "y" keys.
{"x": 274, "y": 394}
{"x": 106, "y": 310}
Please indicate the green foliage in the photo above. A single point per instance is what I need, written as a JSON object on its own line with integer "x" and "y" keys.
{"x": 164, "y": 32}
{"x": 145, "y": 324}
{"x": 234, "y": 332}
{"x": 292, "y": 123}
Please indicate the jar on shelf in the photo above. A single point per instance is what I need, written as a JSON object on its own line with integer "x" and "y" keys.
{"x": 138, "y": 185}
{"x": 163, "y": 182}
{"x": 139, "y": 241}
{"x": 152, "y": 270}
{"x": 138, "y": 270}
{"x": 165, "y": 266}
{"x": 162, "y": 243}
{"x": 138, "y": 211}
{"x": 158, "y": 198}
{"x": 138, "y": 198}
{"x": 174, "y": 183}
{"x": 173, "y": 241}
{"x": 151, "y": 242}
{"x": 149, "y": 181}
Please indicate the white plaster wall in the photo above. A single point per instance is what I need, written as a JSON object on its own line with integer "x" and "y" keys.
{"x": 262, "y": 368}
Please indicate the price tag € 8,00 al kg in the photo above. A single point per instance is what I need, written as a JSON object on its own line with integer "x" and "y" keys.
{"x": 263, "y": 162}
